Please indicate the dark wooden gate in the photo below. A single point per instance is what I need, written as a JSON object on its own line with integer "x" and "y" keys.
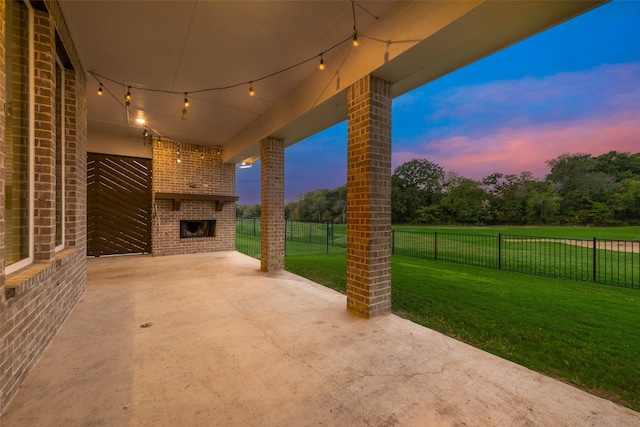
{"x": 118, "y": 205}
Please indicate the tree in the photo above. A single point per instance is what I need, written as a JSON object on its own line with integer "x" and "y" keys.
{"x": 619, "y": 165}
{"x": 626, "y": 202}
{"x": 466, "y": 202}
{"x": 414, "y": 185}
{"x": 248, "y": 211}
{"x": 509, "y": 195}
{"x": 319, "y": 205}
{"x": 580, "y": 185}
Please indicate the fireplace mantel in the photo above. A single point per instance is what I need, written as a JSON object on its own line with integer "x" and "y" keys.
{"x": 178, "y": 197}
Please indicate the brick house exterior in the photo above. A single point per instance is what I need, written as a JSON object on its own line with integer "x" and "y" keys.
{"x": 36, "y": 299}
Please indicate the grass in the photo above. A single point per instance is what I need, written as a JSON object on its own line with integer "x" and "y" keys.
{"x": 582, "y": 333}
{"x": 586, "y": 233}
{"x": 479, "y": 246}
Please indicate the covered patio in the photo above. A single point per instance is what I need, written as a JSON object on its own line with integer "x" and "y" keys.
{"x": 210, "y": 339}
{"x": 199, "y": 334}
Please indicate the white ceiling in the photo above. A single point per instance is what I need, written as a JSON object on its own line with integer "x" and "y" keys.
{"x": 187, "y": 46}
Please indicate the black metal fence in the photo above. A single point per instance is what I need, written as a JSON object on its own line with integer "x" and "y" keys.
{"x": 614, "y": 262}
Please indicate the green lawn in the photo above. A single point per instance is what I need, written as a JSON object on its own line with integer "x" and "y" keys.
{"x": 583, "y": 333}
{"x": 587, "y": 233}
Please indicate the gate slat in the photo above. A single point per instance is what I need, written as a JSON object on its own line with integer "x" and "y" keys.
{"x": 118, "y": 205}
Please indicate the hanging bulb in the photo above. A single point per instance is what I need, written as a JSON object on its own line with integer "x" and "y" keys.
{"x": 251, "y": 92}
{"x": 184, "y": 114}
{"x": 321, "y": 66}
{"x": 186, "y": 100}
{"x": 178, "y": 159}
{"x": 145, "y": 133}
{"x": 100, "y": 90}
{"x": 202, "y": 155}
{"x": 127, "y": 97}
{"x": 355, "y": 39}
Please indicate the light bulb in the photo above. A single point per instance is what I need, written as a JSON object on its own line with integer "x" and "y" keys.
{"x": 100, "y": 90}
{"x": 251, "y": 92}
{"x": 184, "y": 114}
{"x": 355, "y": 40}
{"x": 127, "y": 97}
{"x": 186, "y": 101}
{"x": 178, "y": 160}
{"x": 321, "y": 66}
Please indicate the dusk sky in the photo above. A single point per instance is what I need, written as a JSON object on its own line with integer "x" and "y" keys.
{"x": 572, "y": 89}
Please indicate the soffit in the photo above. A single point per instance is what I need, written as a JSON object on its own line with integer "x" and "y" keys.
{"x": 185, "y": 46}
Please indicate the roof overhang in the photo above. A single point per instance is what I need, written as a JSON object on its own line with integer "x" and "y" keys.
{"x": 185, "y": 46}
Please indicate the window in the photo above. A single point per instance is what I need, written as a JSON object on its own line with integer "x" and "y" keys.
{"x": 60, "y": 142}
{"x": 19, "y": 136}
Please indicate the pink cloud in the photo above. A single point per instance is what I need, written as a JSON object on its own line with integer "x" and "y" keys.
{"x": 516, "y": 125}
{"x": 514, "y": 150}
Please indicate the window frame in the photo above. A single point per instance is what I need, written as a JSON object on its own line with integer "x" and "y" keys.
{"x": 62, "y": 144}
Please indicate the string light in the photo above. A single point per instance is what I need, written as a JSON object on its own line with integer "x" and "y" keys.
{"x": 355, "y": 29}
{"x": 178, "y": 158}
{"x": 353, "y": 38}
{"x": 145, "y": 133}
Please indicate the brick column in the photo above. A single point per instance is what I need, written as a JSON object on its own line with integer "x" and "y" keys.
{"x": 369, "y": 198}
{"x": 45, "y": 143}
{"x": 272, "y": 209}
{"x": 3, "y": 99}
{"x": 75, "y": 161}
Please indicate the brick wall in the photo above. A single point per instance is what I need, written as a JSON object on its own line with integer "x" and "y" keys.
{"x": 35, "y": 301}
{"x": 369, "y": 197}
{"x": 200, "y": 171}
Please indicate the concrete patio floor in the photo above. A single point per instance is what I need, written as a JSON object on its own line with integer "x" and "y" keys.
{"x": 228, "y": 345}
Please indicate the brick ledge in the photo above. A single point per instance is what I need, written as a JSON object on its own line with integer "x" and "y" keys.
{"x": 14, "y": 281}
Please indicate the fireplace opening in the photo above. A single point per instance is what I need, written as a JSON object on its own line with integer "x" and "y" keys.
{"x": 203, "y": 228}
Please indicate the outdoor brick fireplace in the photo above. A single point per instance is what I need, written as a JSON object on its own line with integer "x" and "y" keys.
{"x": 194, "y": 200}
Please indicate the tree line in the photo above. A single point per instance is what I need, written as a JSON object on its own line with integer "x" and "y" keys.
{"x": 580, "y": 189}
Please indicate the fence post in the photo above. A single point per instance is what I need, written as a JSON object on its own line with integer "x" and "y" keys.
{"x": 327, "y": 223}
{"x": 435, "y": 245}
{"x": 595, "y": 259}
{"x": 499, "y": 251}
{"x": 285, "y": 236}
{"x": 393, "y": 241}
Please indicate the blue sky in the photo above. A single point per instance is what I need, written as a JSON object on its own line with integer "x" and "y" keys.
{"x": 572, "y": 89}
